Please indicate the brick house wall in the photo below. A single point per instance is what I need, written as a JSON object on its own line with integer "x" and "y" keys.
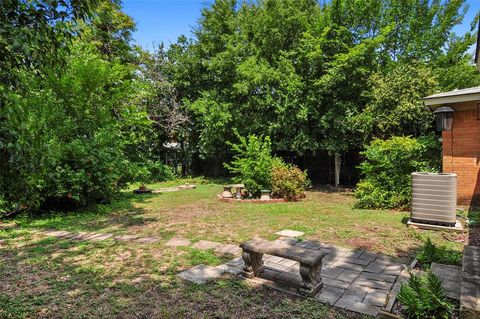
{"x": 463, "y": 156}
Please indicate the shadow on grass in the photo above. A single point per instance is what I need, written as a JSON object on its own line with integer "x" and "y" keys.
{"x": 61, "y": 278}
{"x": 122, "y": 213}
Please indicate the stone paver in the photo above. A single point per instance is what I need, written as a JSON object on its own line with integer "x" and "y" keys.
{"x": 99, "y": 237}
{"x": 61, "y": 234}
{"x": 237, "y": 262}
{"x": 470, "y": 291}
{"x": 392, "y": 270}
{"x": 289, "y": 233}
{"x": 332, "y": 272}
{"x": 375, "y": 267}
{"x": 348, "y": 275}
{"x": 126, "y": 237}
{"x": 234, "y": 270}
{"x": 347, "y": 265}
{"x": 451, "y": 278}
{"x": 355, "y": 280}
{"x": 330, "y": 295}
{"x": 335, "y": 283}
{"x": 373, "y": 283}
{"x": 178, "y": 242}
{"x": 355, "y": 293}
{"x": 201, "y": 274}
{"x": 378, "y": 277}
{"x": 147, "y": 240}
{"x": 206, "y": 245}
{"x": 228, "y": 249}
{"x": 357, "y": 307}
{"x": 376, "y": 297}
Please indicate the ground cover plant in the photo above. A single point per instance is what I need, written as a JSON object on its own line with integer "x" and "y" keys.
{"x": 430, "y": 252}
{"x": 423, "y": 297}
{"x": 47, "y": 277}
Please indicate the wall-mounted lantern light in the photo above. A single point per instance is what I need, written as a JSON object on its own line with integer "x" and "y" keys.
{"x": 444, "y": 118}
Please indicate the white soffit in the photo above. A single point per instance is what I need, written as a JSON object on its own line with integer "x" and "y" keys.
{"x": 455, "y": 96}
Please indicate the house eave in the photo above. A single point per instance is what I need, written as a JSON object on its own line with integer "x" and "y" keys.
{"x": 434, "y": 102}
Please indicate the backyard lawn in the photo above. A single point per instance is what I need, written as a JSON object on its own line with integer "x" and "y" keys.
{"x": 44, "y": 276}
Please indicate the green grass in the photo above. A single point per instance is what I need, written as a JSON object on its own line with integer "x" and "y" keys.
{"x": 45, "y": 277}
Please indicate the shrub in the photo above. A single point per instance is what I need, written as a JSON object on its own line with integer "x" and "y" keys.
{"x": 288, "y": 181}
{"x": 159, "y": 172}
{"x": 423, "y": 297}
{"x": 431, "y": 253}
{"x": 252, "y": 163}
{"x": 387, "y": 170}
{"x": 69, "y": 132}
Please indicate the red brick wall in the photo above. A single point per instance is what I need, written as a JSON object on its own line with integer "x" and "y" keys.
{"x": 466, "y": 153}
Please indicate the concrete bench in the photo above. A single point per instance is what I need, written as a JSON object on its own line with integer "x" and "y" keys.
{"x": 310, "y": 261}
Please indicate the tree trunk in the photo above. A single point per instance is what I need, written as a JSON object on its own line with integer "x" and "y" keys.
{"x": 337, "y": 169}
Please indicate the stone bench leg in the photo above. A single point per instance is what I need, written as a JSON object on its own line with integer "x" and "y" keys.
{"x": 311, "y": 280}
{"x": 253, "y": 263}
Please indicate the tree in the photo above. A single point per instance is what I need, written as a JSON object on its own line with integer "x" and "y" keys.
{"x": 395, "y": 106}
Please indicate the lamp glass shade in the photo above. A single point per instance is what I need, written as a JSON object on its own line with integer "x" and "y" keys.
{"x": 444, "y": 118}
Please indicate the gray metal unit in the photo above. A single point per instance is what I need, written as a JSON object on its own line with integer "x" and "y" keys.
{"x": 434, "y": 198}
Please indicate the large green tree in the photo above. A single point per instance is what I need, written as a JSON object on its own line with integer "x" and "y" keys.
{"x": 304, "y": 72}
{"x": 72, "y": 113}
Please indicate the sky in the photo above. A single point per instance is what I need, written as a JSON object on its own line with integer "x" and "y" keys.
{"x": 164, "y": 20}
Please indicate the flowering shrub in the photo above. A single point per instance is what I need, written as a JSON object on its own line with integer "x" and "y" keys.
{"x": 288, "y": 181}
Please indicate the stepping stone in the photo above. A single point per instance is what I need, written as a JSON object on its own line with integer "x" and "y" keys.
{"x": 126, "y": 237}
{"x": 206, "y": 245}
{"x": 201, "y": 274}
{"x": 147, "y": 240}
{"x": 98, "y": 237}
{"x": 230, "y": 269}
{"x": 450, "y": 277}
{"x": 57, "y": 233}
{"x": 237, "y": 262}
{"x": 289, "y": 233}
{"x": 228, "y": 249}
{"x": 178, "y": 242}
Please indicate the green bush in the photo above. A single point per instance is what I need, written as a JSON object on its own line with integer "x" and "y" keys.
{"x": 423, "y": 297}
{"x": 69, "y": 132}
{"x": 159, "y": 172}
{"x": 387, "y": 169}
{"x": 252, "y": 163}
{"x": 431, "y": 253}
{"x": 288, "y": 181}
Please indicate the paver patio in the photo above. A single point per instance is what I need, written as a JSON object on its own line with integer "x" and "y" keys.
{"x": 354, "y": 280}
